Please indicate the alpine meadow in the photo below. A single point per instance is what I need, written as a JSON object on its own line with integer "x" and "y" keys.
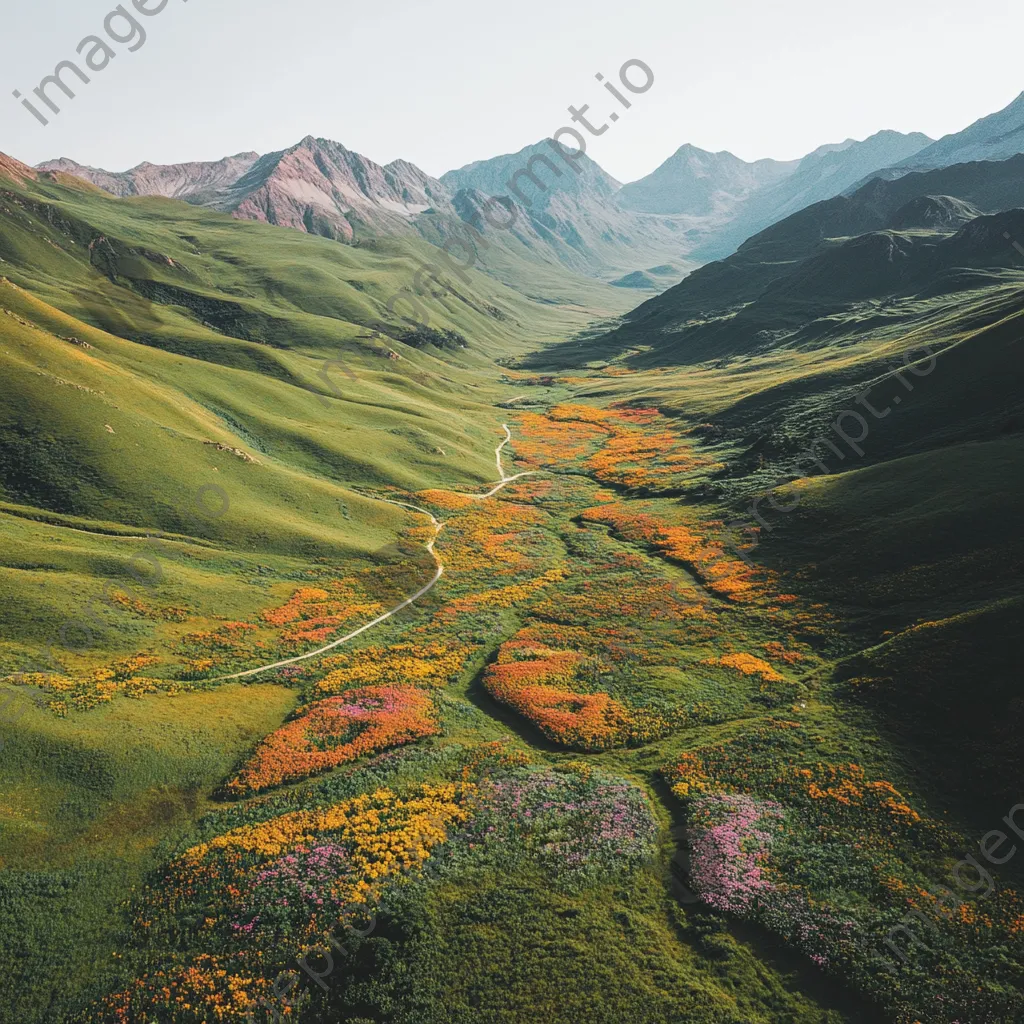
{"x": 514, "y": 595}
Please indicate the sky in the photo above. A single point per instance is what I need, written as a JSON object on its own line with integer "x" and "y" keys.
{"x": 446, "y": 82}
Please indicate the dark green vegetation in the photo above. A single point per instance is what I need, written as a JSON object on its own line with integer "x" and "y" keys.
{"x": 616, "y": 696}
{"x": 901, "y": 524}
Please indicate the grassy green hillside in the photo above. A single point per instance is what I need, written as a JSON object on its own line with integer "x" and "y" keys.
{"x": 162, "y": 375}
{"x": 151, "y": 350}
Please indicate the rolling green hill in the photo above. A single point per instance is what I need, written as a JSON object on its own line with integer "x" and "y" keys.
{"x": 192, "y": 355}
{"x": 165, "y": 374}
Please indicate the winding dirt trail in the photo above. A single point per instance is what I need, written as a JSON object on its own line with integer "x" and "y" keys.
{"x": 501, "y": 472}
{"x": 438, "y": 527}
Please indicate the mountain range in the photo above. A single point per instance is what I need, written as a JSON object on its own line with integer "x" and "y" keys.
{"x": 996, "y": 137}
{"x": 925, "y": 234}
{"x": 316, "y": 186}
{"x": 697, "y": 206}
{"x": 579, "y": 216}
{"x": 694, "y": 181}
{"x": 827, "y": 172}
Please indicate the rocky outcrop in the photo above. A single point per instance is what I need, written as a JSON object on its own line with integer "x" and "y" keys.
{"x": 194, "y": 182}
{"x": 11, "y": 168}
{"x": 323, "y": 188}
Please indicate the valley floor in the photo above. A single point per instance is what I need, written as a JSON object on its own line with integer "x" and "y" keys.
{"x": 601, "y": 767}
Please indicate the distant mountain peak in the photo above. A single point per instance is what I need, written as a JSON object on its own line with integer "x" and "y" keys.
{"x": 827, "y": 172}
{"x": 194, "y": 181}
{"x": 998, "y": 136}
{"x": 11, "y": 168}
{"x": 321, "y": 187}
{"x": 689, "y": 149}
{"x": 696, "y": 182}
{"x": 494, "y": 175}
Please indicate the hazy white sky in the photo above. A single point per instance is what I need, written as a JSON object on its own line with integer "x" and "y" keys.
{"x": 444, "y": 82}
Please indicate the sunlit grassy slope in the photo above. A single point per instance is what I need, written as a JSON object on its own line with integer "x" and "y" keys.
{"x": 90, "y": 800}
{"x": 138, "y": 336}
{"x": 155, "y": 358}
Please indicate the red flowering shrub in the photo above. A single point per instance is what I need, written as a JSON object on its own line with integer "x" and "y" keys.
{"x": 537, "y": 682}
{"x": 333, "y": 731}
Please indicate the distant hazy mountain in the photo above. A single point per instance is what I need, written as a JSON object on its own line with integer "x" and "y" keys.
{"x": 843, "y": 249}
{"x": 193, "y": 182}
{"x": 827, "y": 172}
{"x": 830, "y": 171}
{"x": 996, "y": 137}
{"x": 494, "y": 175}
{"x": 577, "y": 213}
{"x": 694, "y": 181}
